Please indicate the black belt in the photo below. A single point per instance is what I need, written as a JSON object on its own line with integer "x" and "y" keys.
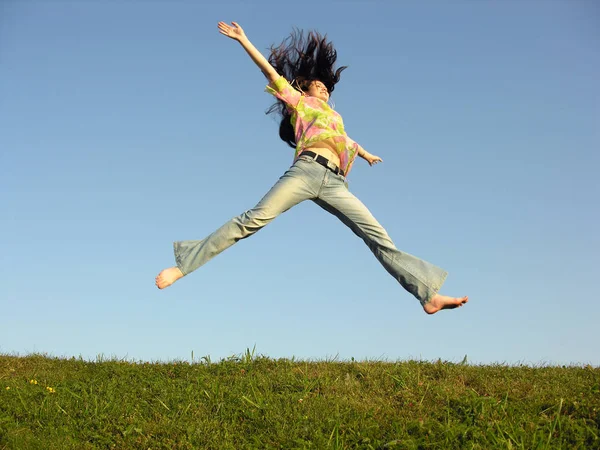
{"x": 324, "y": 162}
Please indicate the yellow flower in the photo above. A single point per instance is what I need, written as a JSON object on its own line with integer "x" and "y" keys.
{"x": 33, "y": 382}
{"x": 7, "y": 388}
{"x": 51, "y": 390}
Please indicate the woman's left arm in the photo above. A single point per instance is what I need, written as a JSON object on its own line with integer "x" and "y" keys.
{"x": 371, "y": 159}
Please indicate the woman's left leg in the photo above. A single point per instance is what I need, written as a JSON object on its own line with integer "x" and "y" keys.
{"x": 418, "y": 277}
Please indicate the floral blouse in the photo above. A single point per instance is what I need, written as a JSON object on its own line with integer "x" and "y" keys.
{"x": 314, "y": 120}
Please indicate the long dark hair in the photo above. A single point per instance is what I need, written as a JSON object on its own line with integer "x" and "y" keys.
{"x": 301, "y": 61}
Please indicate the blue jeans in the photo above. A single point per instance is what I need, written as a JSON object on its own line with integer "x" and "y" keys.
{"x": 305, "y": 180}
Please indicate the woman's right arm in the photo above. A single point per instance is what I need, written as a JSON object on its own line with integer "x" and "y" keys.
{"x": 236, "y": 32}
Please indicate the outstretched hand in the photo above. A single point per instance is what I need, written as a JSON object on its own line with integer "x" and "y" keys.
{"x": 372, "y": 159}
{"x": 234, "y": 32}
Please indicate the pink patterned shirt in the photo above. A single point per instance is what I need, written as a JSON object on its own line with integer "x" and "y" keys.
{"x": 314, "y": 120}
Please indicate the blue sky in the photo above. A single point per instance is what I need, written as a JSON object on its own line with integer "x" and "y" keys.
{"x": 125, "y": 126}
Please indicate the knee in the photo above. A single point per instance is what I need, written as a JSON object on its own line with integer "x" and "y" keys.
{"x": 377, "y": 235}
{"x": 254, "y": 219}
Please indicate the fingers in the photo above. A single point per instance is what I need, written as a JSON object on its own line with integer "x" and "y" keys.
{"x": 233, "y": 32}
{"x": 226, "y": 26}
{"x": 223, "y": 28}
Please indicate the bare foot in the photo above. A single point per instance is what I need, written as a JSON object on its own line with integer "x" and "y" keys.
{"x": 167, "y": 277}
{"x": 439, "y": 302}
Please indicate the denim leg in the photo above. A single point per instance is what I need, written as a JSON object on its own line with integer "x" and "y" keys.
{"x": 292, "y": 188}
{"x": 418, "y": 277}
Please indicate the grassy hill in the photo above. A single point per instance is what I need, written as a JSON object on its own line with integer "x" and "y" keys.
{"x": 257, "y": 402}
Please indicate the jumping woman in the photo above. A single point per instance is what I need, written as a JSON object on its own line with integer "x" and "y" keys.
{"x": 301, "y": 76}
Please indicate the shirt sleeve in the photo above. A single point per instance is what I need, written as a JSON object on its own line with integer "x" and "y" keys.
{"x": 282, "y": 89}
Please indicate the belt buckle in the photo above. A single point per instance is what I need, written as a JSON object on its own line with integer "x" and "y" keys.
{"x": 335, "y": 169}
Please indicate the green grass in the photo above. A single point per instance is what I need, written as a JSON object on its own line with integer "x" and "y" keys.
{"x": 257, "y": 402}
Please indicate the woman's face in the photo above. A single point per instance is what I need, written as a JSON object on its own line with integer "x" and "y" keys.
{"x": 318, "y": 89}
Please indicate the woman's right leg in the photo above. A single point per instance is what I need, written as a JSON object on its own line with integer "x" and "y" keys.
{"x": 292, "y": 188}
